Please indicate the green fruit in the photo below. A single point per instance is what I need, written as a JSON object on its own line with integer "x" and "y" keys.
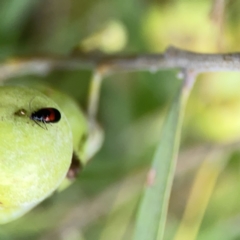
{"x": 34, "y": 157}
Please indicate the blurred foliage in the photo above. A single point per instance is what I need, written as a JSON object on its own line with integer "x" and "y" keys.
{"x": 130, "y": 108}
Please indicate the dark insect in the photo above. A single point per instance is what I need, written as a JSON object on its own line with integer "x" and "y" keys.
{"x": 46, "y": 115}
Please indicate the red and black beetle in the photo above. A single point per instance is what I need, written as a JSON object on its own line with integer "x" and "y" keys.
{"x": 46, "y": 115}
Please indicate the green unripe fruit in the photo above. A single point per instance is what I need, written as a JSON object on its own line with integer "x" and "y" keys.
{"x": 34, "y": 158}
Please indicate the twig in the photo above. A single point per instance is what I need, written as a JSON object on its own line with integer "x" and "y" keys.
{"x": 172, "y": 58}
{"x": 94, "y": 92}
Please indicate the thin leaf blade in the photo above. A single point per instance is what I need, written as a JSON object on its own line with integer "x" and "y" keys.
{"x": 153, "y": 210}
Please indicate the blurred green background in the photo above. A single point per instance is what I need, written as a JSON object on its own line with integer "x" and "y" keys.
{"x": 102, "y": 203}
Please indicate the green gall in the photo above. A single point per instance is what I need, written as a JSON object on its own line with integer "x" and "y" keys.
{"x": 34, "y": 160}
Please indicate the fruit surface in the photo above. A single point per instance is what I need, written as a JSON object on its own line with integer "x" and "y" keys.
{"x": 34, "y": 160}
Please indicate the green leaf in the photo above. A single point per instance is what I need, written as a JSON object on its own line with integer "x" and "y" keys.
{"x": 153, "y": 210}
{"x": 13, "y": 12}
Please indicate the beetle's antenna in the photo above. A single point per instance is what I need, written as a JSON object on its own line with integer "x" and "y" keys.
{"x": 30, "y": 102}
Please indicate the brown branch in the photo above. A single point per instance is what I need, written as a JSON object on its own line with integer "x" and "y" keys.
{"x": 172, "y": 58}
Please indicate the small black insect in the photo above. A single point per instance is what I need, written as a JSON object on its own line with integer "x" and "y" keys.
{"x": 46, "y": 115}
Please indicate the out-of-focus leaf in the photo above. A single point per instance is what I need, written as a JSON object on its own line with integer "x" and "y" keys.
{"x": 152, "y": 215}
{"x": 13, "y": 12}
{"x": 13, "y": 16}
{"x": 200, "y": 195}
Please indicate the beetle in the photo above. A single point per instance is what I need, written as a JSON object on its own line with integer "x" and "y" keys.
{"x": 46, "y": 115}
